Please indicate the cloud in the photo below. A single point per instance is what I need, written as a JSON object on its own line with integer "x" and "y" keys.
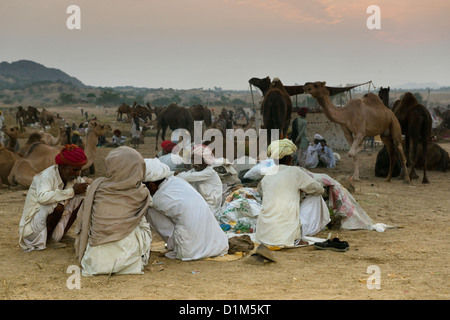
{"x": 294, "y": 11}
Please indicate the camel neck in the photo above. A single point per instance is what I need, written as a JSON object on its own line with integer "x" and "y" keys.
{"x": 331, "y": 111}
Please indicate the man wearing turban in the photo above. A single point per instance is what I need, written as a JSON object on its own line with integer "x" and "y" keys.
{"x": 281, "y": 221}
{"x": 53, "y": 200}
{"x": 181, "y": 216}
{"x": 299, "y": 136}
{"x": 204, "y": 178}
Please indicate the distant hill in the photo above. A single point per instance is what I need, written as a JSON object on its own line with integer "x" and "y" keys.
{"x": 417, "y": 86}
{"x": 24, "y": 72}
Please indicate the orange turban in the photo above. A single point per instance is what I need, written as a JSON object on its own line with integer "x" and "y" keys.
{"x": 71, "y": 155}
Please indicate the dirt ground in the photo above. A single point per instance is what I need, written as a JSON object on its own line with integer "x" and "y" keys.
{"x": 411, "y": 261}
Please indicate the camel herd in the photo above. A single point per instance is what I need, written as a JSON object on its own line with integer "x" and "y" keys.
{"x": 405, "y": 130}
{"x": 17, "y": 168}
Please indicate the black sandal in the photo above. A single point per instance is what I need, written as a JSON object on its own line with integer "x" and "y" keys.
{"x": 334, "y": 245}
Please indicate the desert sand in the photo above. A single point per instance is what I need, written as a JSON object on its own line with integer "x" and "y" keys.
{"x": 412, "y": 259}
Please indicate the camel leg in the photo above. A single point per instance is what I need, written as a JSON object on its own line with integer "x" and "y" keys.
{"x": 398, "y": 145}
{"x": 392, "y": 156}
{"x": 356, "y": 147}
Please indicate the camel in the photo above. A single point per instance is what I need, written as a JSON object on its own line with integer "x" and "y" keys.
{"x": 415, "y": 122}
{"x": 39, "y": 157}
{"x": 51, "y": 140}
{"x": 276, "y": 107}
{"x": 383, "y": 93}
{"x": 13, "y": 134}
{"x": 95, "y": 130}
{"x": 261, "y": 83}
{"x": 8, "y": 155}
{"x": 123, "y": 109}
{"x": 174, "y": 117}
{"x": 359, "y": 118}
{"x": 46, "y": 118}
{"x": 201, "y": 113}
{"x": 142, "y": 112}
{"x": 445, "y": 116}
{"x": 437, "y": 159}
{"x": 8, "y": 158}
{"x": 21, "y": 117}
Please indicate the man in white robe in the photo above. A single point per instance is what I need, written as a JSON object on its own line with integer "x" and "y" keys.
{"x": 182, "y": 217}
{"x": 52, "y": 201}
{"x": 113, "y": 235}
{"x": 280, "y": 220}
{"x": 204, "y": 178}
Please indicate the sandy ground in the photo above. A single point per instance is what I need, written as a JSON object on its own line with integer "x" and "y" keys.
{"x": 411, "y": 261}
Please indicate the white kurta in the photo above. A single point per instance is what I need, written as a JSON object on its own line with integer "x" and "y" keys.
{"x": 278, "y": 223}
{"x": 127, "y": 256}
{"x": 185, "y": 222}
{"x": 207, "y": 182}
{"x": 44, "y": 194}
{"x": 172, "y": 160}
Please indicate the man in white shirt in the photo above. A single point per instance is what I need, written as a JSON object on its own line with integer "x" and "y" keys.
{"x": 52, "y": 201}
{"x": 204, "y": 178}
{"x": 280, "y": 220}
{"x": 181, "y": 216}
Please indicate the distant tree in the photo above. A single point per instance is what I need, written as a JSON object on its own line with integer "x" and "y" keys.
{"x": 176, "y": 98}
{"x": 66, "y": 98}
{"x": 109, "y": 97}
{"x": 162, "y": 101}
{"x": 195, "y": 100}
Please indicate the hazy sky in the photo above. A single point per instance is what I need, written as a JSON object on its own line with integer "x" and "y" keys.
{"x": 185, "y": 44}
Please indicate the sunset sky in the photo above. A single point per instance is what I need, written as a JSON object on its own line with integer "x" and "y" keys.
{"x": 185, "y": 44}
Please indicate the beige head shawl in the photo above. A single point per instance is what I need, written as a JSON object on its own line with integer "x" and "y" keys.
{"x": 114, "y": 205}
{"x": 281, "y": 148}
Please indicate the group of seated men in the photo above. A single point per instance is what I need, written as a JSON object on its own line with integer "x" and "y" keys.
{"x": 114, "y": 215}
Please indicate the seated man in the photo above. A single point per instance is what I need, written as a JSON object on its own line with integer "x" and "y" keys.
{"x": 113, "y": 235}
{"x": 326, "y": 155}
{"x": 280, "y": 222}
{"x": 204, "y": 178}
{"x": 52, "y": 201}
{"x": 117, "y": 139}
{"x": 173, "y": 160}
{"x": 181, "y": 216}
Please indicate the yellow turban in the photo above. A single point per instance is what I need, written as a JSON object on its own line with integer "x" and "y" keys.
{"x": 281, "y": 148}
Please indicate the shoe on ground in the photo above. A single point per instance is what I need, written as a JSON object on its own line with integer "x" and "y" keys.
{"x": 334, "y": 245}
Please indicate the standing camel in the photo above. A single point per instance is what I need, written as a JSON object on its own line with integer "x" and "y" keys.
{"x": 174, "y": 117}
{"x": 359, "y": 118}
{"x": 123, "y": 109}
{"x": 276, "y": 107}
{"x": 383, "y": 93}
{"x": 95, "y": 130}
{"x": 415, "y": 122}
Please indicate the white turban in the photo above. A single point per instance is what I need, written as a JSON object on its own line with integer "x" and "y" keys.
{"x": 281, "y": 148}
{"x": 318, "y": 137}
{"x": 155, "y": 170}
{"x": 205, "y": 152}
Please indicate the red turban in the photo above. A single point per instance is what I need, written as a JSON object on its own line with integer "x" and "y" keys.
{"x": 169, "y": 146}
{"x": 302, "y": 112}
{"x": 71, "y": 155}
{"x": 164, "y": 143}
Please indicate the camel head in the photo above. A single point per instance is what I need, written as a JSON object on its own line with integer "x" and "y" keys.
{"x": 316, "y": 89}
{"x": 12, "y": 132}
{"x": 98, "y": 128}
{"x": 262, "y": 84}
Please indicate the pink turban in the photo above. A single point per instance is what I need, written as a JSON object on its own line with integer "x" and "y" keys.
{"x": 205, "y": 152}
{"x": 71, "y": 155}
